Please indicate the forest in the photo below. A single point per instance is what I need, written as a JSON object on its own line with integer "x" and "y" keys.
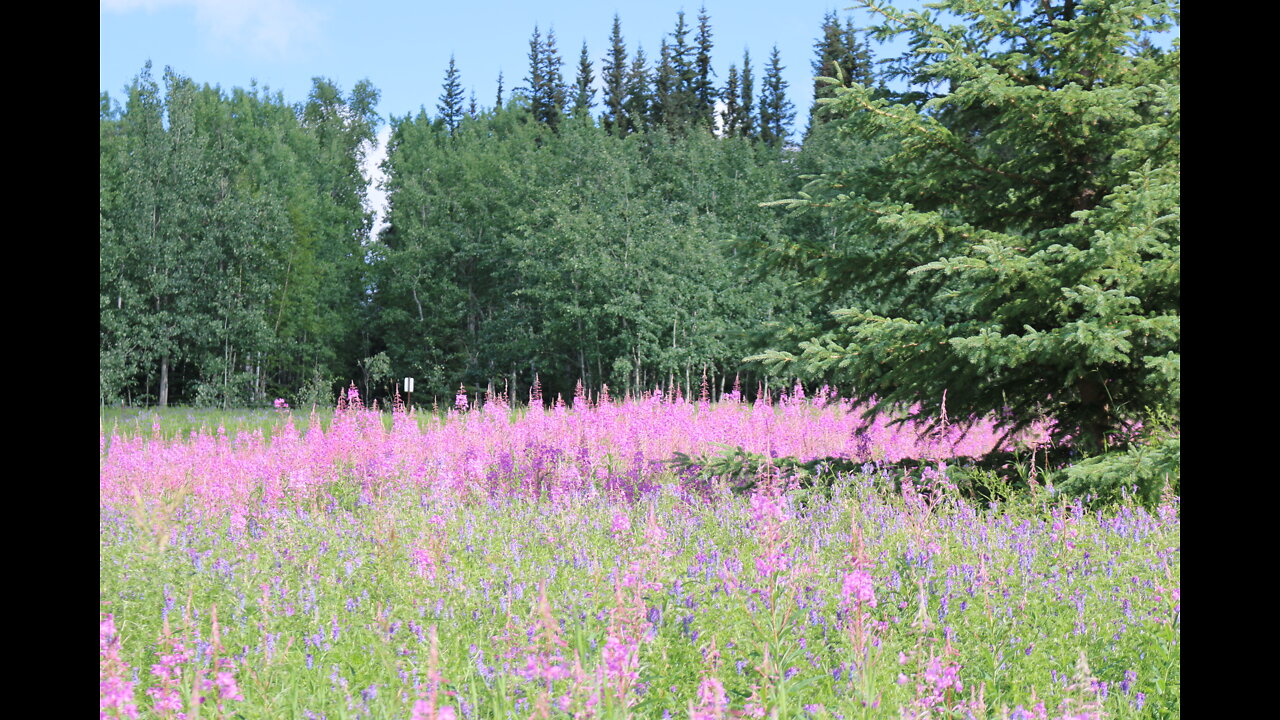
{"x": 1001, "y": 236}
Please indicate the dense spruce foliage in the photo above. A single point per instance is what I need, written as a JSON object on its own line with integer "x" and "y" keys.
{"x": 1017, "y": 249}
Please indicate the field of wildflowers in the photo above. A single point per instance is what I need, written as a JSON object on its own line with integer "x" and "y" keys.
{"x": 551, "y": 563}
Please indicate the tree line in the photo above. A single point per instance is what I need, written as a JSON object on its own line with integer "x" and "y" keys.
{"x": 547, "y": 236}
{"x": 1002, "y": 235}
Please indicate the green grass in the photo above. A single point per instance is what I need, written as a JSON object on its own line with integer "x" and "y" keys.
{"x": 284, "y": 579}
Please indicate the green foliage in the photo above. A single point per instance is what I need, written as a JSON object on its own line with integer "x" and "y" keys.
{"x": 230, "y": 234}
{"x": 776, "y": 111}
{"x": 1038, "y": 600}
{"x": 546, "y": 89}
{"x": 743, "y": 471}
{"x": 514, "y": 251}
{"x": 840, "y": 57}
{"x": 1019, "y": 247}
{"x": 450, "y": 106}
{"x": 614, "y": 74}
{"x": 1145, "y": 470}
{"x": 584, "y": 95}
{"x": 316, "y": 392}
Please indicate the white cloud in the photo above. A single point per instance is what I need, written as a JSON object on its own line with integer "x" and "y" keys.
{"x": 274, "y": 29}
{"x": 718, "y": 118}
{"x": 376, "y": 199}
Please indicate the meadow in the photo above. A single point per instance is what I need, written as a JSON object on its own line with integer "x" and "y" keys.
{"x": 491, "y": 563}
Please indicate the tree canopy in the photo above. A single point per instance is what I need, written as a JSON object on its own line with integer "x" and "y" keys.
{"x": 1017, "y": 250}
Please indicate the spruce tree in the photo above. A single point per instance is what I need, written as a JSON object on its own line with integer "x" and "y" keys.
{"x": 497, "y": 105}
{"x": 584, "y": 96}
{"x": 839, "y": 54}
{"x": 664, "y": 86}
{"x": 536, "y": 79}
{"x": 730, "y": 117}
{"x": 555, "y": 91}
{"x": 681, "y": 108}
{"x": 776, "y": 111}
{"x": 703, "y": 88}
{"x": 861, "y": 68}
{"x": 450, "y": 106}
{"x": 614, "y": 72}
{"x": 546, "y": 87}
{"x": 1018, "y": 255}
{"x": 829, "y": 50}
{"x": 746, "y": 118}
{"x": 639, "y": 99}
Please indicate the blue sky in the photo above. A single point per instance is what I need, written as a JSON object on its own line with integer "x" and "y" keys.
{"x": 404, "y": 47}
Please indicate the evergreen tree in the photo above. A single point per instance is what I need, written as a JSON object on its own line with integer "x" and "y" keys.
{"x": 830, "y": 50}
{"x": 776, "y": 111}
{"x": 472, "y": 108}
{"x": 731, "y": 116}
{"x": 1019, "y": 252}
{"x": 546, "y": 87}
{"x": 860, "y": 68}
{"x": 536, "y": 80}
{"x": 703, "y": 87}
{"x": 615, "y": 83}
{"x": 497, "y": 103}
{"x": 450, "y": 105}
{"x": 584, "y": 98}
{"x": 556, "y": 90}
{"x": 681, "y": 108}
{"x": 664, "y": 87}
{"x": 840, "y": 55}
{"x": 747, "y": 120}
{"x": 638, "y": 99}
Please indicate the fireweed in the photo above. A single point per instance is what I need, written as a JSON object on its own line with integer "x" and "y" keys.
{"x": 551, "y": 566}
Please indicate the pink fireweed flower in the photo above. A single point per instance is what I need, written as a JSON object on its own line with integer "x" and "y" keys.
{"x": 114, "y": 692}
{"x": 169, "y": 671}
{"x": 768, "y": 515}
{"x": 712, "y": 702}
{"x": 227, "y": 687}
{"x": 621, "y": 525}
{"x": 935, "y": 691}
{"x": 621, "y": 664}
{"x": 859, "y": 589}
{"x": 423, "y": 710}
{"x": 460, "y": 400}
{"x": 281, "y": 404}
{"x": 424, "y": 562}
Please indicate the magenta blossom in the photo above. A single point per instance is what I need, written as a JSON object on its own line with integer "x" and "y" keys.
{"x": 858, "y": 589}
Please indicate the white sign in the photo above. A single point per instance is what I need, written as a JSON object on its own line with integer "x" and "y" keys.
{"x": 408, "y": 384}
